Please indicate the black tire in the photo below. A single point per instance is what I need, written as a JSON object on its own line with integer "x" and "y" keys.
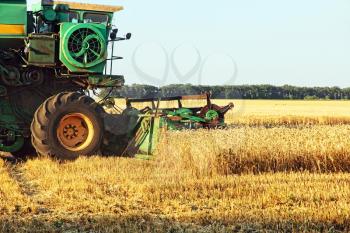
{"x": 47, "y": 123}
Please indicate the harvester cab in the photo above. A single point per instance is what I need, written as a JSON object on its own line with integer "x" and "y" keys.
{"x": 69, "y": 38}
{"x": 83, "y": 32}
{"x": 50, "y": 57}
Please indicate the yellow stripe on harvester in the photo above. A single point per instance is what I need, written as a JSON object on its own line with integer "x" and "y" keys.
{"x": 12, "y": 29}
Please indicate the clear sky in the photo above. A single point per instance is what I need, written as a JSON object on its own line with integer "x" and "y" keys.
{"x": 297, "y": 42}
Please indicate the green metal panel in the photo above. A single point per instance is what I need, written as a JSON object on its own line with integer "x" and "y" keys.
{"x": 106, "y": 80}
{"x": 13, "y": 12}
{"x": 13, "y": 19}
{"x": 41, "y": 50}
{"x": 149, "y": 134}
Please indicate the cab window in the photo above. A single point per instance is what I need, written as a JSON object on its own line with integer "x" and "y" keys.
{"x": 73, "y": 17}
{"x": 95, "y": 18}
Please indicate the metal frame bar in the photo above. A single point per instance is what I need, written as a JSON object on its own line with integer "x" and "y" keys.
{"x": 186, "y": 97}
{"x": 206, "y": 96}
{"x": 112, "y": 57}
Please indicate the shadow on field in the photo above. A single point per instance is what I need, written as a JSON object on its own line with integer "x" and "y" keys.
{"x": 9, "y": 158}
{"x": 156, "y": 224}
{"x": 15, "y": 160}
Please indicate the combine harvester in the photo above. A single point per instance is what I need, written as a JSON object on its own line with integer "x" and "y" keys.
{"x": 50, "y": 58}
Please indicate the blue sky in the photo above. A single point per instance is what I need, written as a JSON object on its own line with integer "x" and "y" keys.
{"x": 297, "y": 42}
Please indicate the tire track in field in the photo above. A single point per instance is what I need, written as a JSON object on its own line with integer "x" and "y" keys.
{"x": 27, "y": 189}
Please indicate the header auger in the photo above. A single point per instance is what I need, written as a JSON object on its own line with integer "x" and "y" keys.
{"x": 49, "y": 58}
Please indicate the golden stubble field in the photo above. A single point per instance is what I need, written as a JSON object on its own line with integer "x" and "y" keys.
{"x": 281, "y": 167}
{"x": 274, "y": 112}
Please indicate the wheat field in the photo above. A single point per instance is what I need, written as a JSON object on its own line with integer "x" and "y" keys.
{"x": 262, "y": 174}
{"x": 273, "y": 112}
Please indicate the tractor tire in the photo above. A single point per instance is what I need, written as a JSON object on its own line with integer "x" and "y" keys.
{"x": 68, "y": 125}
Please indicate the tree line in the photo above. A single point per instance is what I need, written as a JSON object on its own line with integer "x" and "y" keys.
{"x": 235, "y": 91}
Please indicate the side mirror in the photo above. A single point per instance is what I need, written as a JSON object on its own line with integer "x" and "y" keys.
{"x": 128, "y": 36}
{"x": 113, "y": 36}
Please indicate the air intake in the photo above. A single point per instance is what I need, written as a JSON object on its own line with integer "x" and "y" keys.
{"x": 83, "y": 47}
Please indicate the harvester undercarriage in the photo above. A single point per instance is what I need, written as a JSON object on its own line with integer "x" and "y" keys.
{"x": 22, "y": 92}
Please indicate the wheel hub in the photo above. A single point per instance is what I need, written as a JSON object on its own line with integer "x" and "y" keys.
{"x": 75, "y": 131}
{"x": 70, "y": 131}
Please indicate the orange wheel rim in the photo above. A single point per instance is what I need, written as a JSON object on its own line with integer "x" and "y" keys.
{"x": 75, "y": 131}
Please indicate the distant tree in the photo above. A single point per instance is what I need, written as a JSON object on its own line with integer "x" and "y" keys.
{"x": 236, "y": 91}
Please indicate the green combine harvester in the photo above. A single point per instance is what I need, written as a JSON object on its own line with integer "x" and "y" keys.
{"x": 50, "y": 59}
